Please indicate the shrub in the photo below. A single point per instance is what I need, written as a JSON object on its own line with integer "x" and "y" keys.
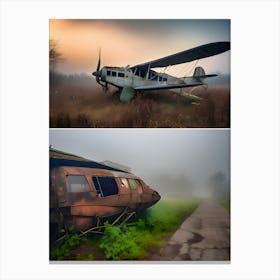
{"x": 132, "y": 240}
{"x": 122, "y": 242}
{"x": 71, "y": 240}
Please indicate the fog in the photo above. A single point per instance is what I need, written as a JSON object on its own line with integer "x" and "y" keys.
{"x": 83, "y": 79}
{"x": 175, "y": 162}
{"x": 131, "y": 42}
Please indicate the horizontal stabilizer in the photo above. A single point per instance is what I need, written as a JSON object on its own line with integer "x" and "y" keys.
{"x": 207, "y": 76}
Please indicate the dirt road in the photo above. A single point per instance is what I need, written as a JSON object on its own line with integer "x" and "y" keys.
{"x": 204, "y": 236}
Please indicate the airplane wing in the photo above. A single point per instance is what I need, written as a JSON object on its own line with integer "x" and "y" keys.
{"x": 186, "y": 56}
{"x": 166, "y": 86}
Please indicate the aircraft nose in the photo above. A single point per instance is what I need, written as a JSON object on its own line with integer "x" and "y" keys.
{"x": 156, "y": 196}
{"x": 96, "y": 73}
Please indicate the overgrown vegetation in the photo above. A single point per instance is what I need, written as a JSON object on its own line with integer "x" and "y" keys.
{"x": 76, "y": 101}
{"x": 71, "y": 240}
{"x": 131, "y": 241}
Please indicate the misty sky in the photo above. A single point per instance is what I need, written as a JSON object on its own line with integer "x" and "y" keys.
{"x": 176, "y": 161}
{"x": 130, "y": 42}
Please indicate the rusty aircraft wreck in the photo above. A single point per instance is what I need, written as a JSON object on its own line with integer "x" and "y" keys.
{"x": 84, "y": 193}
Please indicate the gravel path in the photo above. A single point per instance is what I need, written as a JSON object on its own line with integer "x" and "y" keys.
{"x": 204, "y": 236}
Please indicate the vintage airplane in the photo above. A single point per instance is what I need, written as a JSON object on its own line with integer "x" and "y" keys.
{"x": 141, "y": 77}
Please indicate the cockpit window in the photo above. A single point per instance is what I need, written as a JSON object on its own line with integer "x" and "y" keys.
{"x": 124, "y": 183}
{"x": 133, "y": 184}
{"x": 77, "y": 183}
{"x": 105, "y": 186}
{"x": 162, "y": 79}
{"x": 142, "y": 185}
{"x": 108, "y": 73}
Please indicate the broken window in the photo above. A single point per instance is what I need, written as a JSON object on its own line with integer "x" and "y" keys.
{"x": 77, "y": 183}
{"x": 105, "y": 186}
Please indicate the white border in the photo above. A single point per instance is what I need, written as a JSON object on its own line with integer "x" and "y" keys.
{"x": 255, "y": 138}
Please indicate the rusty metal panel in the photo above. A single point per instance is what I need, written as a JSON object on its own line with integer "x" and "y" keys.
{"x": 95, "y": 210}
{"x": 82, "y": 208}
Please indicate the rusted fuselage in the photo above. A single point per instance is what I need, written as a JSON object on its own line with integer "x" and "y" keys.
{"x": 79, "y": 196}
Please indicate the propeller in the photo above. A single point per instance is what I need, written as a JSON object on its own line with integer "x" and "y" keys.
{"x": 97, "y": 74}
{"x": 99, "y": 58}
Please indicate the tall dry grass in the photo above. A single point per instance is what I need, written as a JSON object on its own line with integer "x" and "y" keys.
{"x": 89, "y": 106}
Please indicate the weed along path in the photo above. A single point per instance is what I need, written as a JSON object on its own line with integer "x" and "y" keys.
{"x": 203, "y": 236}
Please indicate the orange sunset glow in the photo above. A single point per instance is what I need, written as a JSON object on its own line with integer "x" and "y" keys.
{"x": 129, "y": 42}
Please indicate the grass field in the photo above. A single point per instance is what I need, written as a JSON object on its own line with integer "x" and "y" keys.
{"x": 89, "y": 106}
{"x": 226, "y": 204}
{"x": 132, "y": 241}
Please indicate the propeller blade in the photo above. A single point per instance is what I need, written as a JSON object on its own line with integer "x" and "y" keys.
{"x": 98, "y": 64}
{"x": 98, "y": 73}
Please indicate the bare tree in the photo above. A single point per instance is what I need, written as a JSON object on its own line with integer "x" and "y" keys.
{"x": 54, "y": 55}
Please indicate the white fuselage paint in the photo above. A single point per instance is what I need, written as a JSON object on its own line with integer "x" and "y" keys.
{"x": 124, "y": 77}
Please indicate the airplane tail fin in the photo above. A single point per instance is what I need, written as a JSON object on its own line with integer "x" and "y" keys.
{"x": 200, "y": 73}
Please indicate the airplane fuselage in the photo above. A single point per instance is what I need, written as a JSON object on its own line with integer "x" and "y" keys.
{"x": 124, "y": 77}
